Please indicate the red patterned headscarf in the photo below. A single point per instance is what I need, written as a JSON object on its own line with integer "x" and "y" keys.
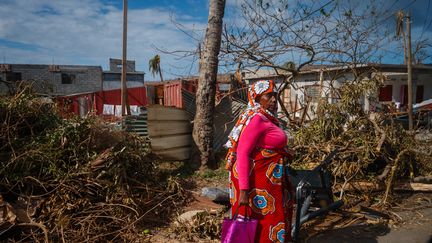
{"x": 256, "y": 90}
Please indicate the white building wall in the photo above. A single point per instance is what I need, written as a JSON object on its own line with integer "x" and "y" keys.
{"x": 426, "y": 81}
{"x": 399, "y": 80}
{"x": 110, "y": 85}
{"x": 328, "y": 84}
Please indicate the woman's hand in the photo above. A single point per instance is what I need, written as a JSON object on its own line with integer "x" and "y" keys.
{"x": 244, "y": 197}
{"x": 290, "y": 152}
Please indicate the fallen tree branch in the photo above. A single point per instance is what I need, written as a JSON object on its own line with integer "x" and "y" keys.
{"x": 393, "y": 172}
{"x": 374, "y": 187}
{"x": 379, "y": 130}
{"x": 39, "y": 225}
{"x": 384, "y": 174}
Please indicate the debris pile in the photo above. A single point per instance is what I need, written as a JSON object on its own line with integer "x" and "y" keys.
{"x": 372, "y": 147}
{"x": 76, "y": 180}
{"x": 203, "y": 225}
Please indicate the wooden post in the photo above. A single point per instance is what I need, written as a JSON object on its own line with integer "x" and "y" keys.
{"x": 280, "y": 99}
{"x": 291, "y": 105}
{"x": 320, "y": 99}
{"x": 295, "y": 106}
{"x": 124, "y": 105}
{"x": 305, "y": 111}
{"x": 410, "y": 85}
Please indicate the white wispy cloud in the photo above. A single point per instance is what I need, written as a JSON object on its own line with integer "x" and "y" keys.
{"x": 90, "y": 32}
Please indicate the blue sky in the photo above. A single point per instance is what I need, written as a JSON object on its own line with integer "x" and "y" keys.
{"x": 89, "y": 31}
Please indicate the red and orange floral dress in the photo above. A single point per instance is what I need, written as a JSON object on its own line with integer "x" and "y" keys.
{"x": 256, "y": 159}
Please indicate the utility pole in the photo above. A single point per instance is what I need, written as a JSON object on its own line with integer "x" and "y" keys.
{"x": 410, "y": 85}
{"x": 124, "y": 105}
{"x": 407, "y": 59}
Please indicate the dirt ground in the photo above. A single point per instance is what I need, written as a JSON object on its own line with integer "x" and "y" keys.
{"x": 414, "y": 224}
{"x": 410, "y": 221}
{"x": 419, "y": 232}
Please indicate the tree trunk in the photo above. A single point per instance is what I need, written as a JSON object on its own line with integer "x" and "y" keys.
{"x": 205, "y": 97}
{"x": 160, "y": 75}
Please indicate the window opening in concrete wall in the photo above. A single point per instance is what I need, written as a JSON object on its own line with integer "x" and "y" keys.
{"x": 13, "y": 76}
{"x": 385, "y": 93}
{"x": 67, "y": 78}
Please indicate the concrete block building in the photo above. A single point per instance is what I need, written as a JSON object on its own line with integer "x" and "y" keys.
{"x": 52, "y": 79}
{"x": 112, "y": 78}
{"x": 60, "y": 80}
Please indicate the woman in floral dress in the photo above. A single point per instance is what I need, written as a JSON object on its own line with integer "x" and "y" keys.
{"x": 255, "y": 159}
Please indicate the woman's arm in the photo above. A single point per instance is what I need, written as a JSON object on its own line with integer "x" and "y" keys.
{"x": 247, "y": 143}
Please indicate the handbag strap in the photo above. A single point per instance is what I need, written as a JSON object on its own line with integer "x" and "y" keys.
{"x": 246, "y": 216}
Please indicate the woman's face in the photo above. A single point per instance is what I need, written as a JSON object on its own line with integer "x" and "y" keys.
{"x": 268, "y": 101}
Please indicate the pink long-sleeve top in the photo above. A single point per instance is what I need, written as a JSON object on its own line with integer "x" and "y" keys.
{"x": 261, "y": 133}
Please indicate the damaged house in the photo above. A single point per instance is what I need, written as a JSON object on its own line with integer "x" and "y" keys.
{"x": 316, "y": 82}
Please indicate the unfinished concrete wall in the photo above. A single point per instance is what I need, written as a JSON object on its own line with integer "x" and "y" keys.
{"x": 112, "y": 80}
{"x": 116, "y": 65}
{"x": 56, "y": 79}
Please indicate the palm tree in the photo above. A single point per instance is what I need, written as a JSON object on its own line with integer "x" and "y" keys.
{"x": 154, "y": 66}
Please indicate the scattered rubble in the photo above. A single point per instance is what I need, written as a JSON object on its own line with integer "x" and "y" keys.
{"x": 203, "y": 225}
{"x": 186, "y": 217}
{"x": 216, "y": 194}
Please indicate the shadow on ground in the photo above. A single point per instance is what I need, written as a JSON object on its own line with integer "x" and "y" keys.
{"x": 352, "y": 234}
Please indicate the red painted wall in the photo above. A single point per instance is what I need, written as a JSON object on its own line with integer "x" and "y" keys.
{"x": 136, "y": 96}
{"x": 70, "y": 104}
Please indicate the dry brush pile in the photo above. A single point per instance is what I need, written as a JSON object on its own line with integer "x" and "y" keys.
{"x": 371, "y": 148}
{"x": 204, "y": 225}
{"x": 76, "y": 180}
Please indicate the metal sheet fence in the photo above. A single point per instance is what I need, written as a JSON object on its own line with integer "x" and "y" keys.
{"x": 136, "y": 124}
{"x": 170, "y": 132}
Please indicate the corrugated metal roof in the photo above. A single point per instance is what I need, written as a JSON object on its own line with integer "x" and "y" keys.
{"x": 225, "y": 117}
{"x": 119, "y": 72}
{"x": 136, "y": 124}
{"x": 189, "y": 103}
{"x": 226, "y": 114}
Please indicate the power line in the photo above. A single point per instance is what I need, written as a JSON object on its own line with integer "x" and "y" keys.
{"x": 430, "y": 23}
{"x": 425, "y": 20}
{"x": 410, "y": 4}
{"x": 394, "y": 3}
{"x": 313, "y": 12}
{"x": 394, "y": 12}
